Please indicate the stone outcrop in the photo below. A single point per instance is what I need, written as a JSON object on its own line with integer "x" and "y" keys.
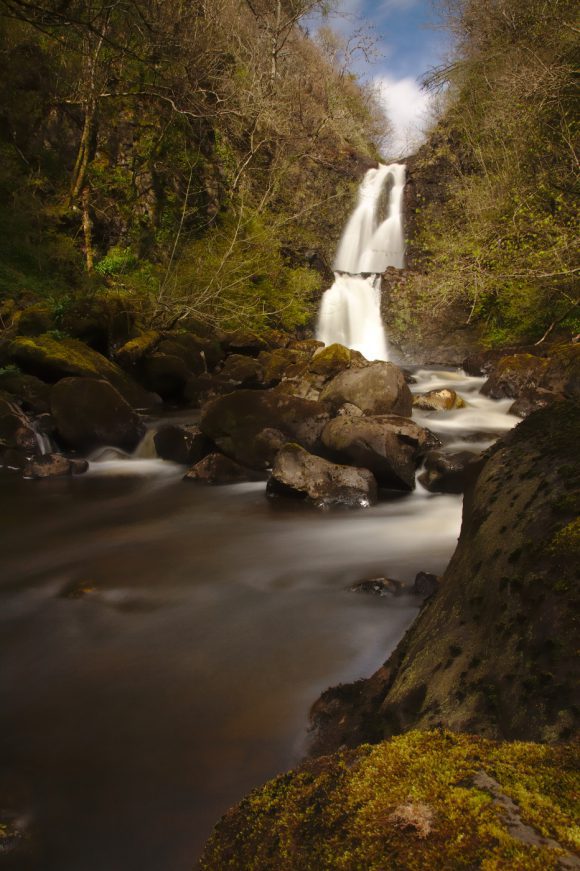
{"x": 491, "y": 652}
{"x": 181, "y": 444}
{"x": 324, "y": 485}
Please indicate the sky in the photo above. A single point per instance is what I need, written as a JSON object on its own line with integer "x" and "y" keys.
{"x": 410, "y": 44}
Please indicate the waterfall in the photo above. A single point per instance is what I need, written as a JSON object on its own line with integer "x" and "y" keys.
{"x": 350, "y": 311}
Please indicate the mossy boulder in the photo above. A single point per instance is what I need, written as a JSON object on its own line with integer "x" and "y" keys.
{"x": 333, "y": 359}
{"x": 379, "y": 388}
{"x": 50, "y": 359}
{"x": 283, "y": 363}
{"x": 129, "y": 354}
{"x": 103, "y": 321}
{"x": 389, "y": 446}
{"x": 89, "y": 413}
{"x": 240, "y": 369}
{"x": 297, "y": 473}
{"x": 557, "y": 374}
{"x": 494, "y": 651}
{"x": 449, "y": 472}
{"x": 420, "y": 801}
{"x": 235, "y": 421}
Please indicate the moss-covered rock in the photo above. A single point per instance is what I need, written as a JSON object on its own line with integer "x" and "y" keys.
{"x": 103, "y": 321}
{"x": 32, "y": 393}
{"x": 240, "y": 369}
{"x": 283, "y": 363}
{"x": 51, "y": 359}
{"x": 420, "y": 801}
{"x": 331, "y": 360}
{"x": 35, "y": 320}
{"x": 494, "y": 651}
{"x": 379, "y": 388}
{"x": 438, "y": 400}
{"x": 132, "y": 351}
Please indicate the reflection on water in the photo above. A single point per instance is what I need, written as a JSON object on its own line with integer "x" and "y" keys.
{"x": 162, "y": 643}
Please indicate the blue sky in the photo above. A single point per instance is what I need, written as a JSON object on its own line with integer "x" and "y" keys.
{"x": 410, "y": 44}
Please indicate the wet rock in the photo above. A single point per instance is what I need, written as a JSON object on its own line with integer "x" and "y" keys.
{"x": 514, "y": 376}
{"x": 378, "y": 587}
{"x": 300, "y": 474}
{"x": 483, "y": 362}
{"x": 240, "y": 369}
{"x": 534, "y": 401}
{"x": 449, "y": 473}
{"x": 51, "y": 359}
{"x": 378, "y": 388}
{"x": 54, "y": 466}
{"x": 234, "y": 421}
{"x": 388, "y": 445}
{"x": 16, "y": 429}
{"x": 89, "y": 413}
{"x": 217, "y": 469}
{"x": 181, "y": 444}
{"x": 425, "y": 584}
{"x": 31, "y": 392}
{"x": 438, "y": 400}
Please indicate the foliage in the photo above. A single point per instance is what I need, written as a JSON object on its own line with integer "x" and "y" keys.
{"x": 504, "y": 241}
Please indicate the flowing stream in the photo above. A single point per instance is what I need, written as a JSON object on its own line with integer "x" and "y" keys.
{"x": 162, "y": 642}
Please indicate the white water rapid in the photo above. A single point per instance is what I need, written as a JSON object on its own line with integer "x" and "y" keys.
{"x": 350, "y": 311}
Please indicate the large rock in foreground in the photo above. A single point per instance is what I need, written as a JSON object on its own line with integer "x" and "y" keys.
{"x": 379, "y": 388}
{"x": 89, "y": 413}
{"x": 494, "y": 651}
{"x": 421, "y": 801}
{"x": 325, "y": 485}
{"x": 390, "y": 446}
{"x": 235, "y": 422}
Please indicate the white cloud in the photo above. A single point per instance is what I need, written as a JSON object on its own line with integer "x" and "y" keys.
{"x": 408, "y": 108}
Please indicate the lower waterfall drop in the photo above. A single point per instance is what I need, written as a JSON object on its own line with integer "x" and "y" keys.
{"x": 350, "y": 310}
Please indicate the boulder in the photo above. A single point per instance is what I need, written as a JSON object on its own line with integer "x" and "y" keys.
{"x": 201, "y": 388}
{"x": 378, "y": 587}
{"x": 103, "y": 321}
{"x": 425, "y": 584}
{"x": 217, "y": 469}
{"x": 378, "y": 388}
{"x": 421, "y": 801}
{"x": 54, "y": 466}
{"x": 244, "y": 342}
{"x": 185, "y": 347}
{"x": 129, "y": 354}
{"x": 309, "y": 345}
{"x": 181, "y": 444}
{"x": 533, "y": 401}
{"x": 325, "y": 485}
{"x": 89, "y": 412}
{"x": 166, "y": 375}
{"x": 33, "y": 394}
{"x": 16, "y": 429}
{"x": 331, "y": 360}
{"x": 234, "y": 421}
{"x": 283, "y": 363}
{"x": 35, "y": 320}
{"x": 51, "y": 359}
{"x": 438, "y": 400}
{"x": 239, "y": 369}
{"x": 449, "y": 473}
{"x": 514, "y": 376}
{"x": 388, "y": 445}
{"x": 490, "y": 653}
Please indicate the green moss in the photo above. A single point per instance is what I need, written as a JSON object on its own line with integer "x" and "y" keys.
{"x": 568, "y": 538}
{"x": 415, "y": 802}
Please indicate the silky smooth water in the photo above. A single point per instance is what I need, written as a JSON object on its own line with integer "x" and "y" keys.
{"x": 133, "y": 715}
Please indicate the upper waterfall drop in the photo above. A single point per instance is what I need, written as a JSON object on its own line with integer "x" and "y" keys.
{"x": 350, "y": 311}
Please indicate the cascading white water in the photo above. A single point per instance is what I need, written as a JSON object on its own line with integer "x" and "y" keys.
{"x": 350, "y": 311}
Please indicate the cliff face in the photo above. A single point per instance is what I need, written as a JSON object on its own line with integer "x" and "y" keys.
{"x": 493, "y": 651}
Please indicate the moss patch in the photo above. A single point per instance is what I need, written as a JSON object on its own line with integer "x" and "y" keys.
{"x": 422, "y": 800}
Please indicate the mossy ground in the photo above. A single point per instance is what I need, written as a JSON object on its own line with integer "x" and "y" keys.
{"x": 415, "y": 802}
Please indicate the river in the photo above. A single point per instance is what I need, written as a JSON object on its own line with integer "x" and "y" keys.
{"x": 162, "y": 642}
